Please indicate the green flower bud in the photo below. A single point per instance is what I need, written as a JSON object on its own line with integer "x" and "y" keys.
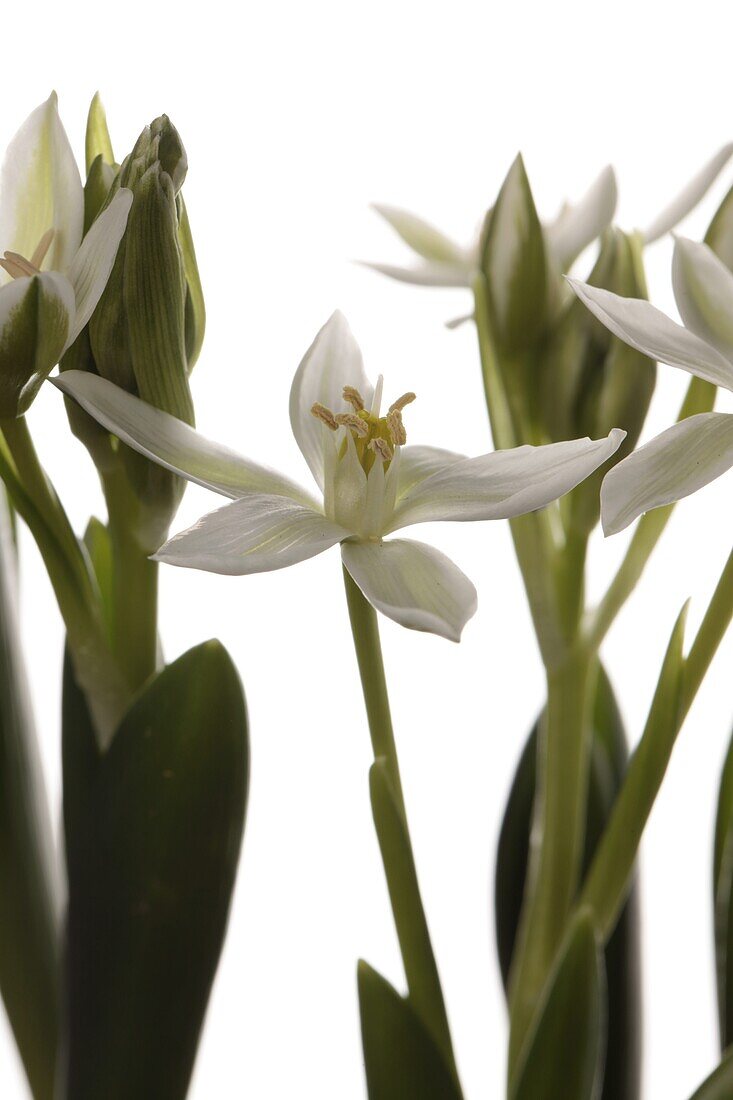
{"x": 148, "y": 327}
{"x": 514, "y": 262}
{"x": 720, "y": 232}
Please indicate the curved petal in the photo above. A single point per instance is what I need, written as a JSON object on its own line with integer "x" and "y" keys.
{"x": 419, "y": 235}
{"x": 413, "y": 584}
{"x": 173, "y": 444}
{"x": 92, "y": 265}
{"x": 673, "y": 465}
{"x": 578, "y": 226}
{"x": 703, "y": 290}
{"x": 651, "y": 332}
{"x": 503, "y": 484}
{"x": 40, "y": 189}
{"x": 429, "y": 273}
{"x": 689, "y": 197}
{"x": 332, "y": 361}
{"x": 418, "y": 462}
{"x": 259, "y": 533}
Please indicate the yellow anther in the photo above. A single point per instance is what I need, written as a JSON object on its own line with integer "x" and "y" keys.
{"x": 354, "y": 422}
{"x": 353, "y": 398}
{"x": 324, "y": 415}
{"x": 382, "y": 448}
{"x": 399, "y": 404}
{"x": 42, "y": 248}
{"x": 397, "y": 431}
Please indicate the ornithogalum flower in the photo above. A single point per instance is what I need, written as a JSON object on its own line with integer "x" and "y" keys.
{"x": 696, "y": 450}
{"x": 371, "y": 485}
{"x": 443, "y": 262}
{"x": 50, "y": 278}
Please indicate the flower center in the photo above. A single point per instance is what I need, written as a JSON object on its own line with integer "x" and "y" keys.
{"x": 374, "y": 436}
{"x": 17, "y": 265}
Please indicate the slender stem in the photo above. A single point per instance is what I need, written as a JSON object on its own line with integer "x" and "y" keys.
{"x": 700, "y": 397}
{"x": 365, "y": 630}
{"x": 557, "y": 838}
{"x": 390, "y": 821}
{"x": 532, "y": 534}
{"x": 134, "y": 584}
{"x": 715, "y": 622}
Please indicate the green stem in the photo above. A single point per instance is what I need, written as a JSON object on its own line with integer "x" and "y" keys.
{"x": 715, "y": 623}
{"x": 390, "y": 820}
{"x": 700, "y": 397}
{"x": 559, "y": 828}
{"x": 69, "y": 572}
{"x": 134, "y": 585}
{"x": 532, "y": 534}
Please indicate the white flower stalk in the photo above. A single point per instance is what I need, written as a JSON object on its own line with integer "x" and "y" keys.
{"x": 443, "y": 262}
{"x": 371, "y": 485}
{"x": 699, "y": 449}
{"x": 50, "y": 278}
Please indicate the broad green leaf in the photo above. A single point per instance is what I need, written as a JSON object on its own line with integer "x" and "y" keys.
{"x": 29, "y": 876}
{"x": 401, "y": 1059}
{"x": 154, "y": 851}
{"x": 719, "y": 1085}
{"x": 608, "y": 759}
{"x": 515, "y": 265}
{"x": 563, "y": 1054}
{"x": 423, "y": 982}
{"x": 98, "y": 142}
{"x": 607, "y": 883}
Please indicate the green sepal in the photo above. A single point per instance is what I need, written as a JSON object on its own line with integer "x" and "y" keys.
{"x": 514, "y": 263}
{"x": 29, "y": 876}
{"x": 608, "y": 761}
{"x": 401, "y": 1059}
{"x": 153, "y": 852}
{"x": 563, "y": 1055}
{"x": 97, "y": 141}
{"x": 32, "y": 338}
{"x": 100, "y": 179}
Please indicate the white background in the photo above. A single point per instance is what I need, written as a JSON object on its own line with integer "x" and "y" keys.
{"x": 295, "y": 117}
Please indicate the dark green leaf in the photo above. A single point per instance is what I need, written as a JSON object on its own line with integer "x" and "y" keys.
{"x": 29, "y": 877}
{"x": 722, "y": 897}
{"x": 401, "y": 1060}
{"x": 607, "y": 766}
{"x": 571, "y": 1020}
{"x": 154, "y": 854}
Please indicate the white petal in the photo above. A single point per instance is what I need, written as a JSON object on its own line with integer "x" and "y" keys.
{"x": 651, "y": 332}
{"x": 678, "y": 462}
{"x": 418, "y": 462}
{"x": 578, "y": 226}
{"x": 504, "y": 483}
{"x": 91, "y": 267}
{"x": 332, "y": 361}
{"x": 703, "y": 290}
{"x": 689, "y": 197}
{"x": 41, "y": 189}
{"x": 413, "y": 584}
{"x": 259, "y": 533}
{"x": 171, "y": 443}
{"x": 427, "y": 274}
{"x": 419, "y": 235}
